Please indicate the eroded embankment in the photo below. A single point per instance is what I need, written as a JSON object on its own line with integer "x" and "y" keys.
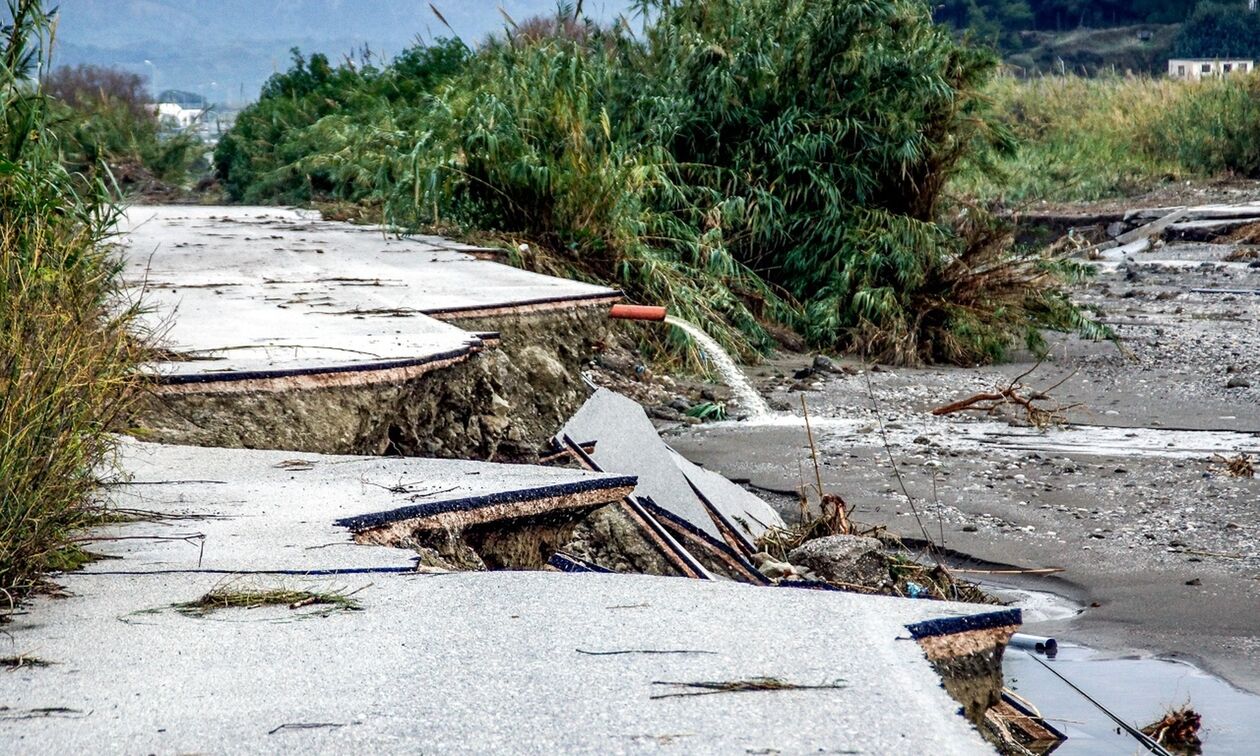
{"x": 500, "y": 403}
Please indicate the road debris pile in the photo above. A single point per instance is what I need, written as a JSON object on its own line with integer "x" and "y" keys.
{"x": 1178, "y": 731}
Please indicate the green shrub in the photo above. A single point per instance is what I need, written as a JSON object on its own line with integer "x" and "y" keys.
{"x": 257, "y": 159}
{"x": 66, "y": 359}
{"x": 1082, "y": 139}
{"x": 103, "y": 123}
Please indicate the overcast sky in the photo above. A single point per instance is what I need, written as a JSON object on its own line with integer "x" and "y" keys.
{"x": 226, "y": 49}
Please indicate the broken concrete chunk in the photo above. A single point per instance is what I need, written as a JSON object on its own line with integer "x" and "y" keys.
{"x": 375, "y": 346}
{"x": 627, "y": 443}
{"x": 742, "y": 516}
{"x": 843, "y": 559}
{"x": 967, "y": 652}
{"x": 702, "y": 523}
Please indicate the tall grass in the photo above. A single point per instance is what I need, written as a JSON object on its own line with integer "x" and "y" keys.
{"x": 1083, "y": 139}
{"x": 741, "y": 161}
{"x": 66, "y": 360}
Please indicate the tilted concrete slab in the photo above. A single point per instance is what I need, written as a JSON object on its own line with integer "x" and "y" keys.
{"x": 250, "y": 511}
{"x": 248, "y": 293}
{"x": 745, "y": 514}
{"x": 627, "y": 442}
{"x": 520, "y": 662}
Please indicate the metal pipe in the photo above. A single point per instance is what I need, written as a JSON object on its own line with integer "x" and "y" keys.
{"x": 636, "y": 312}
{"x": 1040, "y": 644}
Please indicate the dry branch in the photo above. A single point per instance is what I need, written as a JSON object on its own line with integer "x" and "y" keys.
{"x": 1016, "y": 394}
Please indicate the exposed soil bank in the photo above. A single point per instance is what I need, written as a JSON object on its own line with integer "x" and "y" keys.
{"x": 502, "y": 403}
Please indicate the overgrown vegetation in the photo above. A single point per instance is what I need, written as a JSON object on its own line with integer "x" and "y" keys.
{"x": 739, "y": 162}
{"x": 65, "y": 356}
{"x": 105, "y": 127}
{"x": 1085, "y": 139}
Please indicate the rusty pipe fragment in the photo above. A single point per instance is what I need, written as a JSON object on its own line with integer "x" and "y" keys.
{"x": 636, "y": 312}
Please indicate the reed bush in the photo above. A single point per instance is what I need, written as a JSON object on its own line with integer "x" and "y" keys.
{"x": 66, "y": 359}
{"x": 1084, "y": 139}
{"x": 741, "y": 161}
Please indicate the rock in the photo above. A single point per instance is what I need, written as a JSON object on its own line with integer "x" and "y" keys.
{"x": 619, "y": 364}
{"x": 824, "y": 364}
{"x": 773, "y": 568}
{"x": 708, "y": 394}
{"x": 803, "y": 373}
{"x": 843, "y": 559}
{"x": 665, "y": 413}
{"x": 1195, "y": 581}
{"x": 778, "y": 570}
{"x": 679, "y": 404}
{"x": 1238, "y": 381}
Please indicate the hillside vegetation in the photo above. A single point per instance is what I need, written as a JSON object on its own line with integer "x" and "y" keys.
{"x": 743, "y": 162}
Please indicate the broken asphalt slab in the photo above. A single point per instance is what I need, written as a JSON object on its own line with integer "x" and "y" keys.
{"x": 522, "y": 662}
{"x": 239, "y": 293}
{"x": 238, "y": 511}
{"x": 476, "y": 662}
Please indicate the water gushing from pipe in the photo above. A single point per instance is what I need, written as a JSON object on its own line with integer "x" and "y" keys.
{"x": 747, "y": 396}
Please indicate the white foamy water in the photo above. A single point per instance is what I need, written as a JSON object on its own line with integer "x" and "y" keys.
{"x": 747, "y": 396}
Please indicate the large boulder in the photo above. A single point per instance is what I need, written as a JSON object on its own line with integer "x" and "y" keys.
{"x": 844, "y": 559}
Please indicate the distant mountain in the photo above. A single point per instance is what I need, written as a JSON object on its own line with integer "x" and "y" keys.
{"x": 226, "y": 49}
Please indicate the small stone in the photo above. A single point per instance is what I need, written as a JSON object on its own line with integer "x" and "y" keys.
{"x": 824, "y": 364}
{"x": 922, "y": 440}
{"x": 1238, "y": 381}
{"x": 803, "y": 373}
{"x": 776, "y": 570}
{"x": 1195, "y": 581}
{"x": 970, "y": 529}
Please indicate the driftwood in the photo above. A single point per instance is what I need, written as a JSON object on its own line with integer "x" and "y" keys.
{"x": 1019, "y": 395}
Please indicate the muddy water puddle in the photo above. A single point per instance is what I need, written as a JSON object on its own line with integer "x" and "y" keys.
{"x": 1139, "y": 689}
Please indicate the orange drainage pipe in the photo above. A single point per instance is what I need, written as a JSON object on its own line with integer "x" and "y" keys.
{"x": 636, "y": 312}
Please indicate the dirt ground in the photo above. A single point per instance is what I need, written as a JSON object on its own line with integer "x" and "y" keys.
{"x": 1159, "y": 543}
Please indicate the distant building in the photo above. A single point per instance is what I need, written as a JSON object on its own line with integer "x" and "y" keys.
{"x": 1194, "y": 69}
{"x": 180, "y": 110}
{"x": 172, "y": 115}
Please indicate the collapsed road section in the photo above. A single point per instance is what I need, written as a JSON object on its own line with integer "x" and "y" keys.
{"x": 278, "y": 330}
{"x": 286, "y": 587}
{"x": 230, "y": 613}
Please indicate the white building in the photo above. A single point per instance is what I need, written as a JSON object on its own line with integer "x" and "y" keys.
{"x": 1194, "y": 69}
{"x": 175, "y": 115}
